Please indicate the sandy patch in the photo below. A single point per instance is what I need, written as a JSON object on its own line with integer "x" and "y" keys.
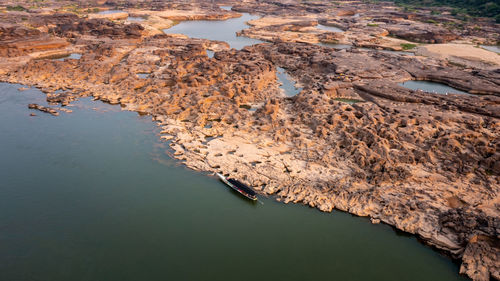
{"x": 112, "y": 16}
{"x": 461, "y": 53}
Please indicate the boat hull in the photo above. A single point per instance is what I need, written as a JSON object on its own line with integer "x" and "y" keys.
{"x": 236, "y": 188}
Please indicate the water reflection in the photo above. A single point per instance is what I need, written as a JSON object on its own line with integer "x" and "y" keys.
{"x": 329, "y": 28}
{"x": 492, "y": 48}
{"x": 287, "y": 84}
{"x": 431, "y": 87}
{"x": 217, "y": 30}
{"x": 135, "y": 19}
{"x": 111, "y": 12}
{"x": 74, "y": 56}
{"x": 335, "y": 46}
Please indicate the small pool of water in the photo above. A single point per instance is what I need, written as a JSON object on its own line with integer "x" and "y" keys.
{"x": 431, "y": 87}
{"x": 227, "y": 8}
{"x": 336, "y": 46}
{"x": 217, "y": 30}
{"x": 288, "y": 85}
{"x": 388, "y": 51}
{"x": 329, "y": 28}
{"x": 210, "y": 54}
{"x": 135, "y": 19}
{"x": 111, "y": 12}
{"x": 349, "y": 101}
{"x": 71, "y": 56}
{"x": 345, "y": 46}
{"x": 492, "y": 48}
{"x": 143, "y": 75}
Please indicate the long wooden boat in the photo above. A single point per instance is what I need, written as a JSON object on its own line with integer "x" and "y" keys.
{"x": 242, "y": 188}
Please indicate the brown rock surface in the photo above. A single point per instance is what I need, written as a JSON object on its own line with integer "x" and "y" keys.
{"x": 17, "y": 40}
{"x": 421, "y": 32}
{"x": 99, "y": 28}
{"x": 43, "y": 109}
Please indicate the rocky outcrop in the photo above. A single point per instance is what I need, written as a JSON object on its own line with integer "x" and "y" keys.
{"x": 43, "y": 109}
{"x": 289, "y": 29}
{"x": 98, "y": 28}
{"x": 17, "y": 41}
{"x": 421, "y": 32}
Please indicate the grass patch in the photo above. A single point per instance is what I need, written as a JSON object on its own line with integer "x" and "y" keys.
{"x": 93, "y": 10}
{"x": 408, "y": 46}
{"x": 349, "y": 101}
{"x": 18, "y": 8}
{"x": 372, "y": 24}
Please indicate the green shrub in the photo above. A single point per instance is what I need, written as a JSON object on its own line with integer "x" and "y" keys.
{"x": 16, "y": 8}
{"x": 408, "y": 46}
{"x": 473, "y": 8}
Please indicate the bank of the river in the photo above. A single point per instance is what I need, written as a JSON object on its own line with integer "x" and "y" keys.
{"x": 91, "y": 195}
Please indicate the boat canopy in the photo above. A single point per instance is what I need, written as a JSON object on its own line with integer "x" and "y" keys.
{"x": 242, "y": 186}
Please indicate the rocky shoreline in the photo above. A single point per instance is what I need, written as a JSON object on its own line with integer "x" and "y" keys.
{"x": 425, "y": 163}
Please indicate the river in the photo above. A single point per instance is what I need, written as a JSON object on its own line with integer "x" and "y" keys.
{"x": 92, "y": 195}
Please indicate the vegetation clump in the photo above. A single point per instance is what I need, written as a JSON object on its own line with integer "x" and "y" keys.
{"x": 16, "y": 8}
{"x": 474, "y": 8}
{"x": 408, "y": 46}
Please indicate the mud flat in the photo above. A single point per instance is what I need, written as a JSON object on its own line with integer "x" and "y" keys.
{"x": 425, "y": 163}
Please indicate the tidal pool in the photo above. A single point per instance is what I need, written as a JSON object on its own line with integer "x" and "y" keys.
{"x": 217, "y": 30}
{"x": 91, "y": 195}
{"x": 431, "y": 87}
